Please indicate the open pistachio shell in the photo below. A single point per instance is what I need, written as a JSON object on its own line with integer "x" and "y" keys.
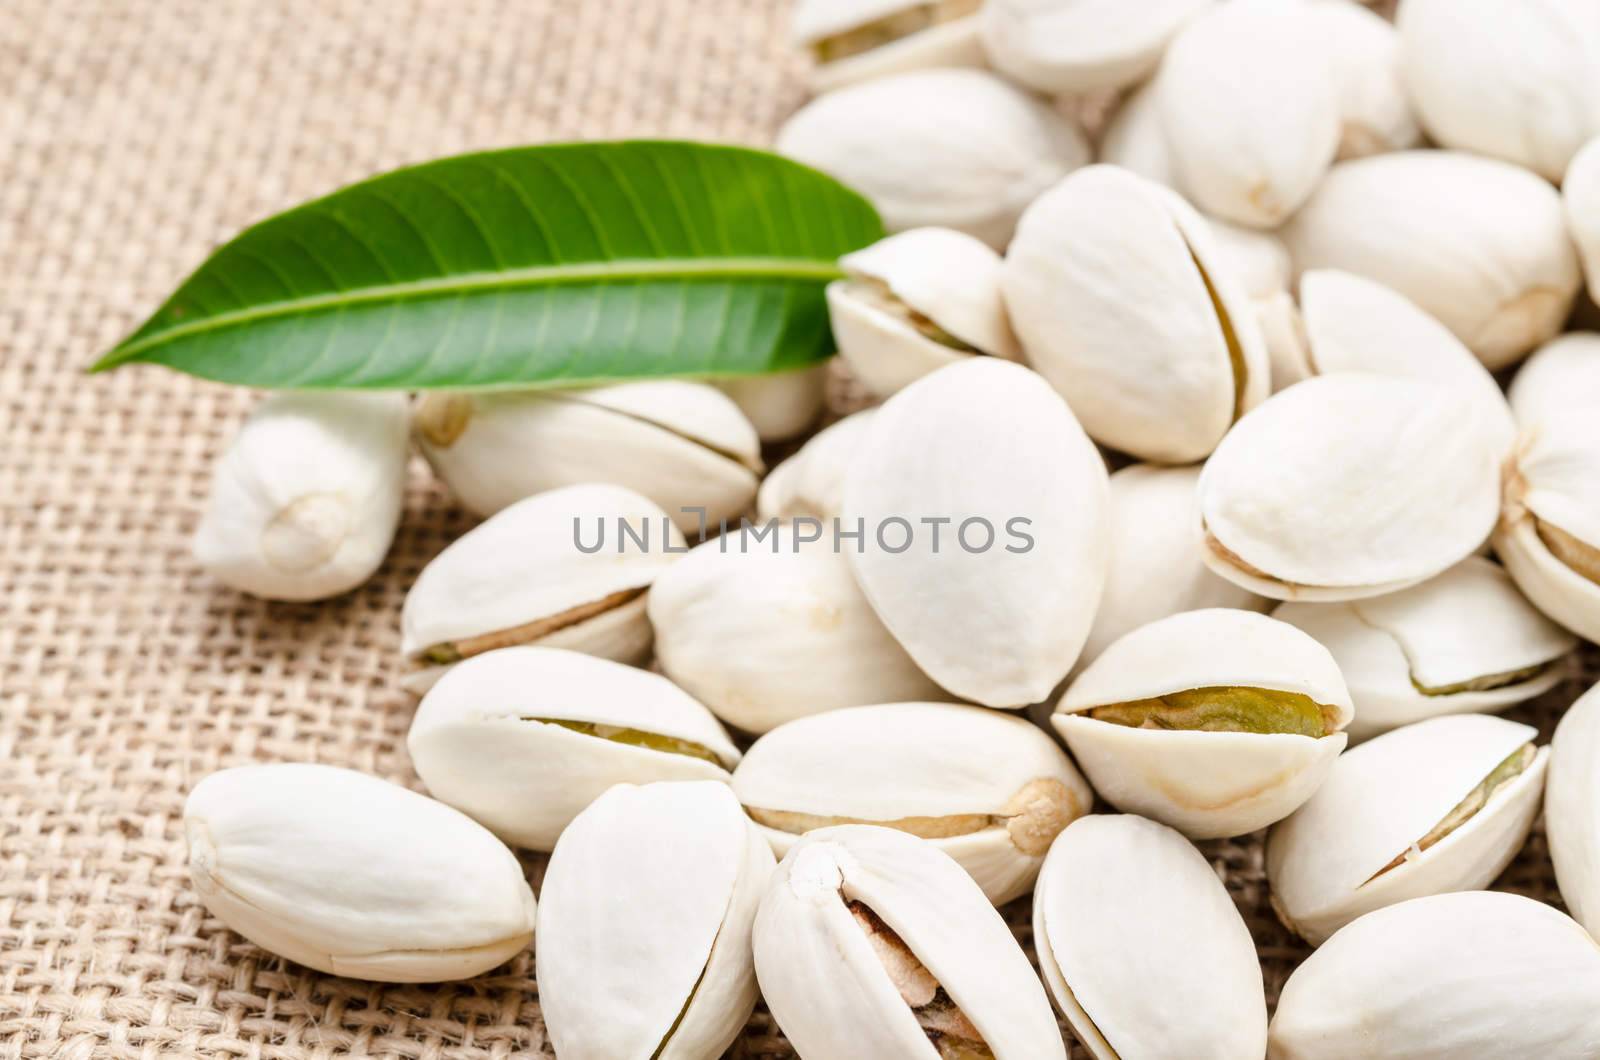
{"x": 1581, "y": 196}
{"x": 871, "y": 942}
{"x": 522, "y": 739}
{"x": 644, "y": 930}
{"x": 1159, "y": 365}
{"x": 1142, "y": 948}
{"x": 988, "y": 789}
{"x": 1563, "y": 373}
{"x": 811, "y": 482}
{"x": 1216, "y": 722}
{"x": 1448, "y": 977}
{"x": 1076, "y": 46}
{"x": 780, "y": 405}
{"x": 1465, "y": 641}
{"x": 996, "y": 607}
{"x": 857, "y": 40}
{"x": 1375, "y": 112}
{"x": 1409, "y": 490}
{"x": 1442, "y": 805}
{"x": 1572, "y": 809}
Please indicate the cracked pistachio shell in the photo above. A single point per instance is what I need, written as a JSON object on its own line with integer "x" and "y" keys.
{"x": 522, "y": 739}
{"x": 825, "y": 980}
{"x": 1448, "y": 977}
{"x": 1513, "y": 79}
{"x": 1465, "y": 641}
{"x": 1206, "y": 784}
{"x": 765, "y": 626}
{"x": 305, "y": 500}
{"x": 1155, "y": 569}
{"x": 996, "y": 618}
{"x": 1141, "y": 947}
{"x": 1159, "y": 365}
{"x": 1250, "y": 101}
{"x": 680, "y": 444}
{"x": 1479, "y": 244}
{"x": 1333, "y": 859}
{"x": 644, "y": 924}
{"x": 1563, "y": 373}
{"x": 1410, "y": 489}
{"x": 1134, "y": 139}
{"x": 1375, "y": 110}
{"x": 858, "y": 40}
{"x": 1076, "y": 46}
{"x": 989, "y": 789}
{"x": 915, "y": 302}
{"x": 352, "y": 875}
{"x": 1581, "y": 197}
{"x": 811, "y": 482}
{"x": 780, "y": 405}
{"x": 1572, "y": 808}
{"x": 950, "y": 148}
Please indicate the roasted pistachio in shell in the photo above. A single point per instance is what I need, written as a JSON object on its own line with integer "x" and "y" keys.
{"x": 1077, "y": 46}
{"x": 1375, "y": 111}
{"x": 1142, "y": 948}
{"x": 645, "y": 917}
{"x": 1563, "y": 373}
{"x": 871, "y": 942}
{"x": 1216, "y": 722}
{"x": 857, "y": 40}
{"x": 986, "y": 788}
{"x": 1581, "y": 195}
{"x": 522, "y": 739}
{"x": 811, "y": 482}
{"x": 780, "y": 405}
{"x": 1135, "y": 139}
{"x": 1442, "y": 805}
{"x": 1572, "y": 809}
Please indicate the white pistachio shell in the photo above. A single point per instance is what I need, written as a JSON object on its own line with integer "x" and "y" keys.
{"x": 986, "y": 788}
{"x": 1563, "y": 373}
{"x": 1572, "y": 808}
{"x": 305, "y": 500}
{"x": 1410, "y": 489}
{"x": 875, "y": 38}
{"x": 765, "y": 626}
{"x": 1258, "y": 261}
{"x": 1448, "y": 977}
{"x": 811, "y": 482}
{"x": 1142, "y": 948}
{"x": 1250, "y": 102}
{"x": 1205, "y": 784}
{"x": 1159, "y": 365}
{"x": 1479, "y": 244}
{"x": 487, "y": 738}
{"x": 352, "y": 875}
{"x": 826, "y": 985}
{"x": 782, "y": 405}
{"x": 997, "y": 617}
{"x": 1375, "y": 110}
{"x": 947, "y": 278}
{"x": 1328, "y": 863}
{"x": 1156, "y": 569}
{"x": 952, "y": 148}
{"x": 1464, "y": 641}
{"x": 644, "y": 924}
{"x": 1077, "y": 46}
{"x": 1581, "y": 196}
{"x": 683, "y": 445}
{"x": 1135, "y": 139}
{"x": 1514, "y": 79}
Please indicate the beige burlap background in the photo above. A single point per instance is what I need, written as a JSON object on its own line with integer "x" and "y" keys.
{"x": 134, "y": 136}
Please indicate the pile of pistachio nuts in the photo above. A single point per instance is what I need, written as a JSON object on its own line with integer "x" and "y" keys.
{"x": 795, "y": 734}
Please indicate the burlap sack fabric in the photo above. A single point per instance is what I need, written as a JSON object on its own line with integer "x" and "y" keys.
{"x": 134, "y": 136}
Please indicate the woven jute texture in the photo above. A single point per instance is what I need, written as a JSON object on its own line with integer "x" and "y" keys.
{"x": 135, "y": 136}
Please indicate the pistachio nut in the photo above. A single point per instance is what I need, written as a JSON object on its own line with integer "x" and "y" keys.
{"x": 1563, "y": 373}
{"x": 1376, "y": 113}
{"x": 1581, "y": 198}
{"x": 1134, "y": 139}
{"x": 1216, "y": 722}
{"x": 352, "y": 875}
{"x": 811, "y": 482}
{"x": 1250, "y": 103}
{"x": 780, "y": 405}
{"x": 1155, "y": 569}
{"x": 915, "y": 302}
{"x": 1076, "y": 46}
{"x": 871, "y": 942}
{"x": 857, "y": 40}
{"x": 522, "y": 739}
{"x": 1442, "y": 805}
{"x": 767, "y": 625}
{"x": 686, "y": 446}
{"x": 949, "y": 148}
{"x": 644, "y": 924}
{"x": 1572, "y": 808}
{"x": 1448, "y": 977}
{"x": 984, "y": 559}
{"x": 305, "y": 500}
{"x": 1158, "y": 366}
{"x": 1142, "y": 948}
{"x": 1409, "y": 490}
{"x": 521, "y": 578}
{"x": 1463, "y": 641}
{"x": 1479, "y": 244}
{"x": 989, "y": 789}
{"x": 1513, "y": 79}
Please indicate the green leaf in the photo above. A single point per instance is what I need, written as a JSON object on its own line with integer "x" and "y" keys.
{"x": 548, "y": 265}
